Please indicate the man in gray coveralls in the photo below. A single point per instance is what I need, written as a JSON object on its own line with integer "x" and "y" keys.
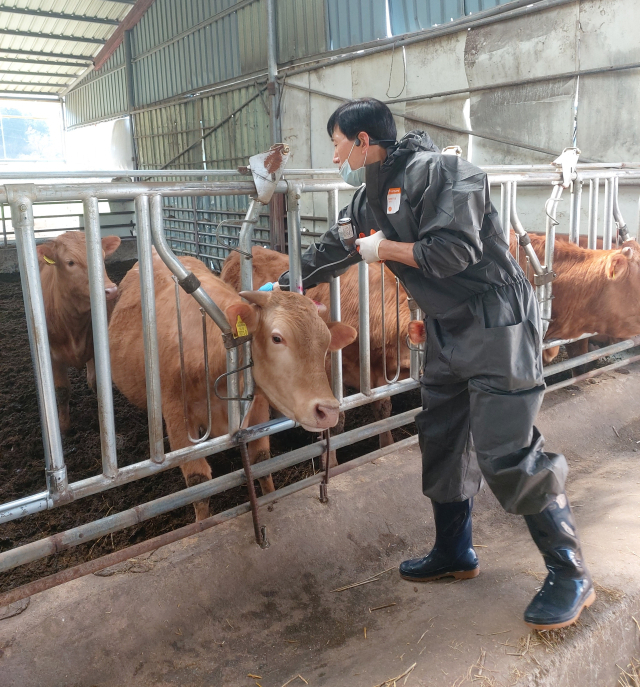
{"x": 482, "y": 385}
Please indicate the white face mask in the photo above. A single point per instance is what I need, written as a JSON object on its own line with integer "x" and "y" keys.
{"x": 353, "y": 177}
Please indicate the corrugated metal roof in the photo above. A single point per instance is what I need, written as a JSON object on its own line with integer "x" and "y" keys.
{"x": 45, "y": 45}
{"x": 355, "y": 22}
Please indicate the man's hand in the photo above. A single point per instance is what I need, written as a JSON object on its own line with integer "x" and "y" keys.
{"x": 368, "y": 246}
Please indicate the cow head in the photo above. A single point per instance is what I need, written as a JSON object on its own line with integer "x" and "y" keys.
{"x": 622, "y": 269}
{"x": 290, "y": 342}
{"x": 66, "y": 259}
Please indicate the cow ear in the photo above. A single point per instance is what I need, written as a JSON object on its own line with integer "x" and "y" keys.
{"x": 341, "y": 335}
{"x": 417, "y": 332}
{"x": 109, "y": 244}
{"x": 618, "y": 263}
{"x": 47, "y": 252}
{"x": 242, "y": 313}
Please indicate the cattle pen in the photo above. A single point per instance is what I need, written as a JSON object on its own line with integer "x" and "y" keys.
{"x": 151, "y": 231}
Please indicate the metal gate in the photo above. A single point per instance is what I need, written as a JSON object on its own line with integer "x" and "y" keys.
{"x": 151, "y": 230}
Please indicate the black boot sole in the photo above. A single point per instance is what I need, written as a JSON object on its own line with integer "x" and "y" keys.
{"x": 458, "y": 575}
{"x": 556, "y": 626}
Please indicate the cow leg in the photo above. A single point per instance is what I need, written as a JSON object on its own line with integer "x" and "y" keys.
{"x": 63, "y": 393}
{"x": 381, "y": 411}
{"x": 91, "y": 375}
{"x": 195, "y": 471}
{"x": 260, "y": 449}
{"x": 579, "y": 348}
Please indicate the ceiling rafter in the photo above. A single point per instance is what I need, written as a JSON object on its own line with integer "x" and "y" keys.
{"x": 58, "y": 15}
{"x": 52, "y": 36}
{"x": 39, "y": 53}
{"x": 51, "y": 63}
{"x": 32, "y": 83}
{"x": 28, "y": 73}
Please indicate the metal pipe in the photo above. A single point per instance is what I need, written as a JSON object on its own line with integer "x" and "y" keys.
{"x": 259, "y": 530}
{"x": 592, "y": 374}
{"x": 505, "y": 209}
{"x": 98, "y": 528}
{"x": 180, "y": 271}
{"x": 384, "y": 328}
{"x": 272, "y": 72}
{"x": 364, "y": 334}
{"x": 574, "y": 215}
{"x": 552, "y": 343}
{"x": 149, "y": 330}
{"x": 590, "y": 357}
{"x": 23, "y": 226}
{"x": 623, "y": 231}
{"x": 100, "y": 325}
{"x": 607, "y": 229}
{"x": 293, "y": 227}
{"x": 415, "y": 351}
{"x": 234, "y": 408}
{"x": 103, "y": 562}
{"x": 335, "y": 313}
{"x": 521, "y": 233}
{"x": 594, "y": 192}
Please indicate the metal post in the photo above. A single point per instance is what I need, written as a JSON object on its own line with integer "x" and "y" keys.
{"x": 505, "y": 209}
{"x": 607, "y": 227}
{"x": 23, "y": 227}
{"x": 272, "y": 71}
{"x": 335, "y": 310}
{"x": 545, "y": 293}
{"x": 363, "y": 333}
{"x": 295, "y": 248}
{"x": 623, "y": 230}
{"x": 594, "y": 191}
{"x": 196, "y": 240}
{"x": 4, "y": 226}
{"x": 245, "y": 244}
{"x": 131, "y": 99}
{"x": 416, "y": 351}
{"x": 100, "y": 326}
{"x": 149, "y": 330}
{"x": 574, "y": 214}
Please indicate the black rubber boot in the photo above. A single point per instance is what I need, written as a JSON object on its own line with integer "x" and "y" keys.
{"x": 568, "y": 587}
{"x": 452, "y": 554}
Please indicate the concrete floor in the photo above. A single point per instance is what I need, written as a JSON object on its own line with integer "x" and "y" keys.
{"x": 215, "y": 609}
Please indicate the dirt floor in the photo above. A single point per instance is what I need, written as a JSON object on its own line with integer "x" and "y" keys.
{"x": 22, "y": 455}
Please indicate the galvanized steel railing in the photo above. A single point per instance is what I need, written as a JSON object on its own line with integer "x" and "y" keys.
{"x": 148, "y": 202}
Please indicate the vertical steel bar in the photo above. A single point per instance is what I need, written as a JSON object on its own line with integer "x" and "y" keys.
{"x": 364, "y": 333}
{"x": 245, "y": 244}
{"x": 623, "y": 231}
{"x": 505, "y": 211}
{"x": 149, "y": 329}
{"x": 234, "y": 409}
{"x": 594, "y": 192}
{"x": 545, "y": 292}
{"x": 23, "y": 227}
{"x": 4, "y": 226}
{"x": 414, "y": 361}
{"x": 196, "y": 238}
{"x": 574, "y": 215}
{"x": 272, "y": 71}
{"x": 295, "y": 245}
{"x": 607, "y": 227}
{"x": 100, "y": 326}
{"x": 335, "y": 308}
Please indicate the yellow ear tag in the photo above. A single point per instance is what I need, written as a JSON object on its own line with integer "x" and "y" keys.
{"x": 48, "y": 260}
{"x": 241, "y": 328}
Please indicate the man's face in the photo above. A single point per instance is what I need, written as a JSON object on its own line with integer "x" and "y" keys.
{"x": 343, "y": 148}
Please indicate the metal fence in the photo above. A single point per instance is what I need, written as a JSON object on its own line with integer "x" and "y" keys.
{"x": 152, "y": 231}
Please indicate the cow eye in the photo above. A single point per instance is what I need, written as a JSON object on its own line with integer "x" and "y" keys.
{"x": 276, "y": 339}
{"x": 71, "y": 263}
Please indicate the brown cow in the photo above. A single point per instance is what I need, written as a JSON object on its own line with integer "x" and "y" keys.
{"x": 595, "y": 291}
{"x": 268, "y": 265}
{"x": 290, "y": 342}
{"x": 67, "y": 304}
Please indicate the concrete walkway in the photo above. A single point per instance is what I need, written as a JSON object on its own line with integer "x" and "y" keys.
{"x": 216, "y": 610}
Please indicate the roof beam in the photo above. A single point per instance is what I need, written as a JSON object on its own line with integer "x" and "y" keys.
{"x": 22, "y": 95}
{"x": 134, "y": 16}
{"x": 31, "y": 83}
{"x": 59, "y": 15}
{"x": 51, "y": 63}
{"x": 39, "y": 53}
{"x": 51, "y": 36}
{"x": 25, "y": 73}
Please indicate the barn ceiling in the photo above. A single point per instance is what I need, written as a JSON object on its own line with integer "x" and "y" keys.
{"x": 45, "y": 45}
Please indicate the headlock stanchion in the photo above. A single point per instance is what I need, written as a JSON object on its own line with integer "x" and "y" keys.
{"x": 266, "y": 171}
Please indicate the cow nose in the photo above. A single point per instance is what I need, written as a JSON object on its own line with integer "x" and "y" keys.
{"x": 326, "y": 415}
{"x": 111, "y": 292}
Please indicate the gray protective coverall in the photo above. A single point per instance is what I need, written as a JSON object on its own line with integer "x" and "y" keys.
{"x": 482, "y": 384}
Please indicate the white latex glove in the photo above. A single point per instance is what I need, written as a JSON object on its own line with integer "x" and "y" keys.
{"x": 368, "y": 246}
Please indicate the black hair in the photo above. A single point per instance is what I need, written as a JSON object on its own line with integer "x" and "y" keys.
{"x": 365, "y": 114}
